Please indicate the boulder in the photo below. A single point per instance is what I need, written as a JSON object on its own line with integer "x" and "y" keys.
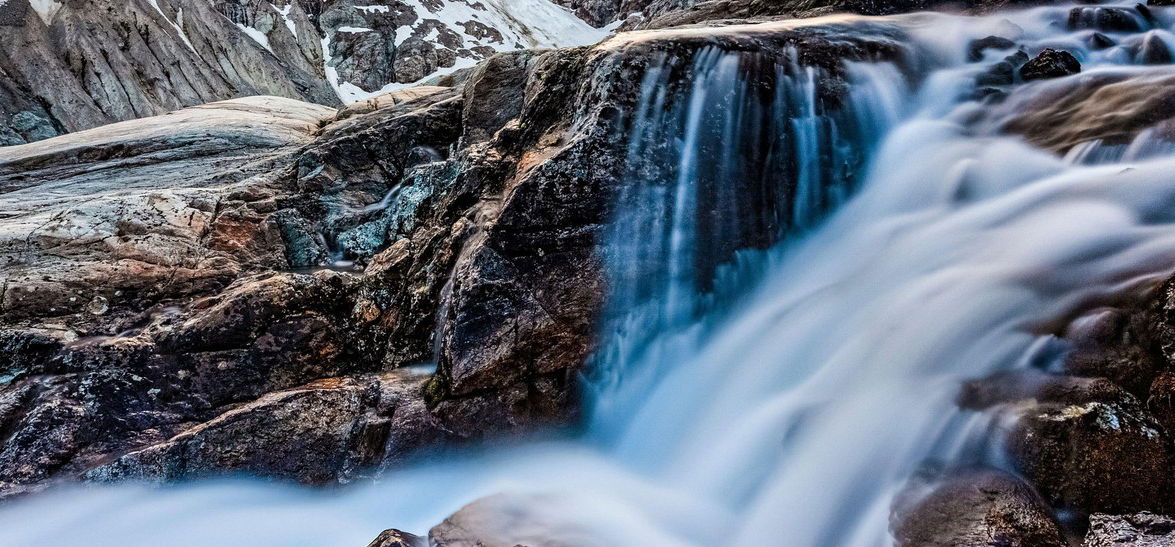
{"x": 1137, "y": 530}
{"x": 1050, "y": 63}
{"x": 1094, "y": 456}
{"x": 396, "y": 538}
{"x": 974, "y": 508}
{"x": 1154, "y": 51}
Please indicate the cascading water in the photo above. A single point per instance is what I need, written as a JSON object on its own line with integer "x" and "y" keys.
{"x": 778, "y": 394}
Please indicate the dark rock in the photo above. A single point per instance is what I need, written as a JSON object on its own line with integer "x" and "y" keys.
{"x": 999, "y": 74}
{"x": 1139, "y": 530}
{"x": 1107, "y": 19}
{"x": 1154, "y": 51}
{"x": 1050, "y": 63}
{"x": 975, "y": 51}
{"x": 1094, "y": 457}
{"x": 474, "y": 234}
{"x": 396, "y": 538}
{"x": 977, "y": 508}
{"x": 1116, "y": 344}
{"x": 1098, "y": 40}
{"x": 1161, "y": 402}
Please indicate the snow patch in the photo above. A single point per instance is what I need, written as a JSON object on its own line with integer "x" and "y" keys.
{"x": 521, "y": 24}
{"x": 256, "y": 35}
{"x": 46, "y": 9}
{"x": 177, "y": 24}
{"x": 373, "y": 9}
{"x": 285, "y": 13}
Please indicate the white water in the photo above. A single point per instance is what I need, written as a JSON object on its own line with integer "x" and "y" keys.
{"x": 788, "y": 406}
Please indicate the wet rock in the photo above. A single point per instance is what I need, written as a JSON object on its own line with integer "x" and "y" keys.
{"x": 512, "y": 520}
{"x": 1112, "y": 107}
{"x": 1138, "y": 530}
{"x": 977, "y": 47}
{"x": 999, "y": 74}
{"x": 1107, "y": 19}
{"x": 475, "y": 238}
{"x": 1161, "y": 402}
{"x": 1050, "y": 63}
{"x": 1030, "y": 385}
{"x": 1098, "y": 40}
{"x": 1095, "y": 456}
{"x": 976, "y": 508}
{"x": 1118, "y": 344}
{"x": 1154, "y": 51}
{"x": 396, "y": 538}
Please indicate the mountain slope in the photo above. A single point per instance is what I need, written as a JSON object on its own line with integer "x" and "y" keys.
{"x": 68, "y": 66}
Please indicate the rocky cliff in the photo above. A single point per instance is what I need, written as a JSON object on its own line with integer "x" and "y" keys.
{"x": 67, "y": 66}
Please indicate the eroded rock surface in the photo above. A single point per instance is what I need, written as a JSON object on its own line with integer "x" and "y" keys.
{"x": 1138, "y": 530}
{"x": 177, "y": 305}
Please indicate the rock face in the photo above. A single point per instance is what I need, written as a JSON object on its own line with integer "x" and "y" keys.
{"x": 86, "y": 64}
{"x": 974, "y": 509}
{"x": 379, "y": 46}
{"x": 1140, "y": 530}
{"x": 80, "y": 65}
{"x": 248, "y": 286}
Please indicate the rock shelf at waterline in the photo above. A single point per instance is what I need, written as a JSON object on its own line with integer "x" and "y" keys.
{"x": 844, "y": 280}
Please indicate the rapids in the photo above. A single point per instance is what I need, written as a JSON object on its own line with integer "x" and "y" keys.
{"x": 778, "y": 389}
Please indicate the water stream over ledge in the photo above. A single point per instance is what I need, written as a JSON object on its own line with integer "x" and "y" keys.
{"x": 776, "y": 390}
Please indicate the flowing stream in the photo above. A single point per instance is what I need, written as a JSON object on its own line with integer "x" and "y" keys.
{"x": 778, "y": 357}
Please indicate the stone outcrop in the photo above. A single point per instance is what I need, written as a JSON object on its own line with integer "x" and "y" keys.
{"x": 250, "y": 286}
{"x": 1050, "y": 63}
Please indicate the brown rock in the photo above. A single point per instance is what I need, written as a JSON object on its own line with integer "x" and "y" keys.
{"x": 973, "y": 509}
{"x": 1095, "y": 456}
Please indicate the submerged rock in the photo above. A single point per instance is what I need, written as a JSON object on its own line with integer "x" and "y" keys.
{"x": 1108, "y": 19}
{"x": 1138, "y": 530}
{"x": 1154, "y": 51}
{"x": 978, "y": 47}
{"x": 1050, "y": 63}
{"x": 977, "y": 508}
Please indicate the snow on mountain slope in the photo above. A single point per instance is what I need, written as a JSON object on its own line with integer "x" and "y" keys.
{"x": 372, "y": 47}
{"x": 67, "y": 66}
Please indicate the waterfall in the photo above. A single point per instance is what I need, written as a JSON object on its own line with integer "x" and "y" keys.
{"x": 784, "y": 343}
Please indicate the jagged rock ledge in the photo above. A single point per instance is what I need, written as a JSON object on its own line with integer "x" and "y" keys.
{"x": 252, "y": 297}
